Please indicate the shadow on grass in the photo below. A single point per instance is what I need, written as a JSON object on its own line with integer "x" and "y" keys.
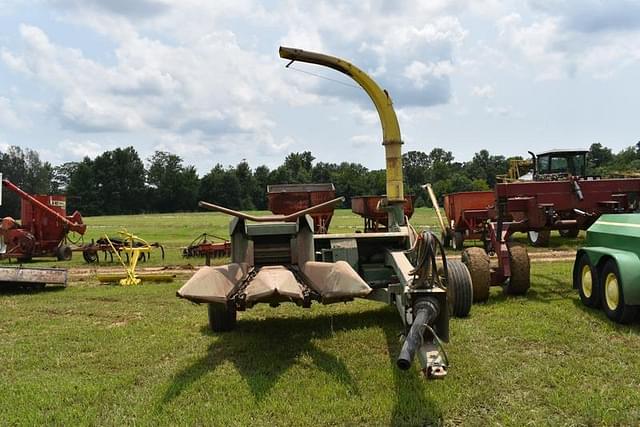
{"x": 262, "y": 350}
{"x": 18, "y": 289}
{"x": 598, "y": 314}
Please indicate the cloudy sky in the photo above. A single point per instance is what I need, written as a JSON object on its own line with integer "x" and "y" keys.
{"x": 203, "y": 79}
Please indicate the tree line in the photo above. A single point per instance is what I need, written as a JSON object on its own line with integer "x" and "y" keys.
{"x": 118, "y": 181}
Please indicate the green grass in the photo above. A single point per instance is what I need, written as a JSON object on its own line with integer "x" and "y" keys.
{"x": 110, "y": 355}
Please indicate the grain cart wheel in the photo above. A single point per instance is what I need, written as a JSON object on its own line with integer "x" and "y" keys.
{"x": 585, "y": 280}
{"x": 222, "y": 318}
{"x": 477, "y": 261}
{"x": 569, "y": 232}
{"x": 539, "y": 238}
{"x": 457, "y": 242}
{"x": 63, "y": 253}
{"x": 613, "y": 296}
{"x": 520, "y": 281}
{"x": 460, "y": 288}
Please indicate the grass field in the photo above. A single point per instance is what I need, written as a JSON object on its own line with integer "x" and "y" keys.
{"x": 107, "y": 355}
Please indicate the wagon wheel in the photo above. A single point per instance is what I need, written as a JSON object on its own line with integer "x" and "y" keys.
{"x": 539, "y": 238}
{"x": 477, "y": 261}
{"x": 569, "y": 232}
{"x": 520, "y": 280}
{"x": 585, "y": 279}
{"x": 612, "y": 295}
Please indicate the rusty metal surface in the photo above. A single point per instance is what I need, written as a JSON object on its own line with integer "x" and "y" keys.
{"x": 19, "y": 275}
{"x": 285, "y": 199}
{"x": 376, "y": 218}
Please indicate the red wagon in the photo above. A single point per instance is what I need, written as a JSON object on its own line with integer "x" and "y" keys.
{"x": 467, "y": 212}
{"x": 376, "y": 218}
{"x": 285, "y": 199}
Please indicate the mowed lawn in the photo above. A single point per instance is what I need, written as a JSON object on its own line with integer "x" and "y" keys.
{"x": 107, "y": 355}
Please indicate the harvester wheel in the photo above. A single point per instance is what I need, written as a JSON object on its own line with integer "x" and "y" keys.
{"x": 569, "y": 232}
{"x": 585, "y": 280}
{"x": 222, "y": 318}
{"x": 460, "y": 288}
{"x": 539, "y": 238}
{"x": 520, "y": 280}
{"x": 457, "y": 243}
{"x": 63, "y": 253}
{"x": 612, "y": 295}
{"x": 477, "y": 261}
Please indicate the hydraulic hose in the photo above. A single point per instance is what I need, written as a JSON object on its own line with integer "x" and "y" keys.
{"x": 425, "y": 311}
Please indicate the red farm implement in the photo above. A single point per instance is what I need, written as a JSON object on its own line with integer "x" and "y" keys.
{"x": 285, "y": 199}
{"x": 43, "y": 229}
{"x": 376, "y": 217}
{"x": 205, "y": 246}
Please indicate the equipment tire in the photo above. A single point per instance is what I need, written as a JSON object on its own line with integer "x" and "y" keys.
{"x": 612, "y": 295}
{"x": 64, "y": 253}
{"x": 520, "y": 280}
{"x": 477, "y": 261}
{"x": 538, "y": 238}
{"x": 459, "y": 281}
{"x": 90, "y": 256}
{"x": 570, "y": 233}
{"x": 585, "y": 280}
{"x": 457, "y": 242}
{"x": 222, "y": 318}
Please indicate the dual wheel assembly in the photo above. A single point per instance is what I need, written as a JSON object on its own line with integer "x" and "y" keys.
{"x": 479, "y": 266}
{"x": 600, "y": 286}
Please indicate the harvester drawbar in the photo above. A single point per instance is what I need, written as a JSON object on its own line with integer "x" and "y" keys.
{"x": 279, "y": 258}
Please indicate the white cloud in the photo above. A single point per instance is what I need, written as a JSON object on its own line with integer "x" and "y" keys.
{"x": 486, "y": 91}
{"x": 77, "y": 150}
{"x": 8, "y": 116}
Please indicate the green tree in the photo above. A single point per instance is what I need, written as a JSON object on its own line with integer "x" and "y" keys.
{"x": 25, "y": 169}
{"x": 173, "y": 187}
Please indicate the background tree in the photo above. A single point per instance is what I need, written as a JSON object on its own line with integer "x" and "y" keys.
{"x": 25, "y": 169}
{"x": 173, "y": 187}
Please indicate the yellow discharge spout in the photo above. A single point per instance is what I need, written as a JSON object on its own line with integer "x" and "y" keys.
{"x": 390, "y": 129}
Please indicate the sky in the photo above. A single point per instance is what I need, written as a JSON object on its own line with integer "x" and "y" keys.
{"x": 203, "y": 79}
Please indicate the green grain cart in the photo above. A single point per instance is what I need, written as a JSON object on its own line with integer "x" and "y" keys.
{"x": 607, "y": 270}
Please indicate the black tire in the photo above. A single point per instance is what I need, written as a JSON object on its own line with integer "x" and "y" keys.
{"x": 222, "y": 318}
{"x": 539, "y": 238}
{"x": 90, "y": 257}
{"x": 585, "y": 280}
{"x": 460, "y": 288}
{"x": 457, "y": 242}
{"x": 570, "y": 233}
{"x": 64, "y": 253}
{"x": 477, "y": 261}
{"x": 520, "y": 280}
{"x": 610, "y": 284}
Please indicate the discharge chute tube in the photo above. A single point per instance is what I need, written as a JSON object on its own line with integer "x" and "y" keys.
{"x": 425, "y": 311}
{"x": 390, "y": 129}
